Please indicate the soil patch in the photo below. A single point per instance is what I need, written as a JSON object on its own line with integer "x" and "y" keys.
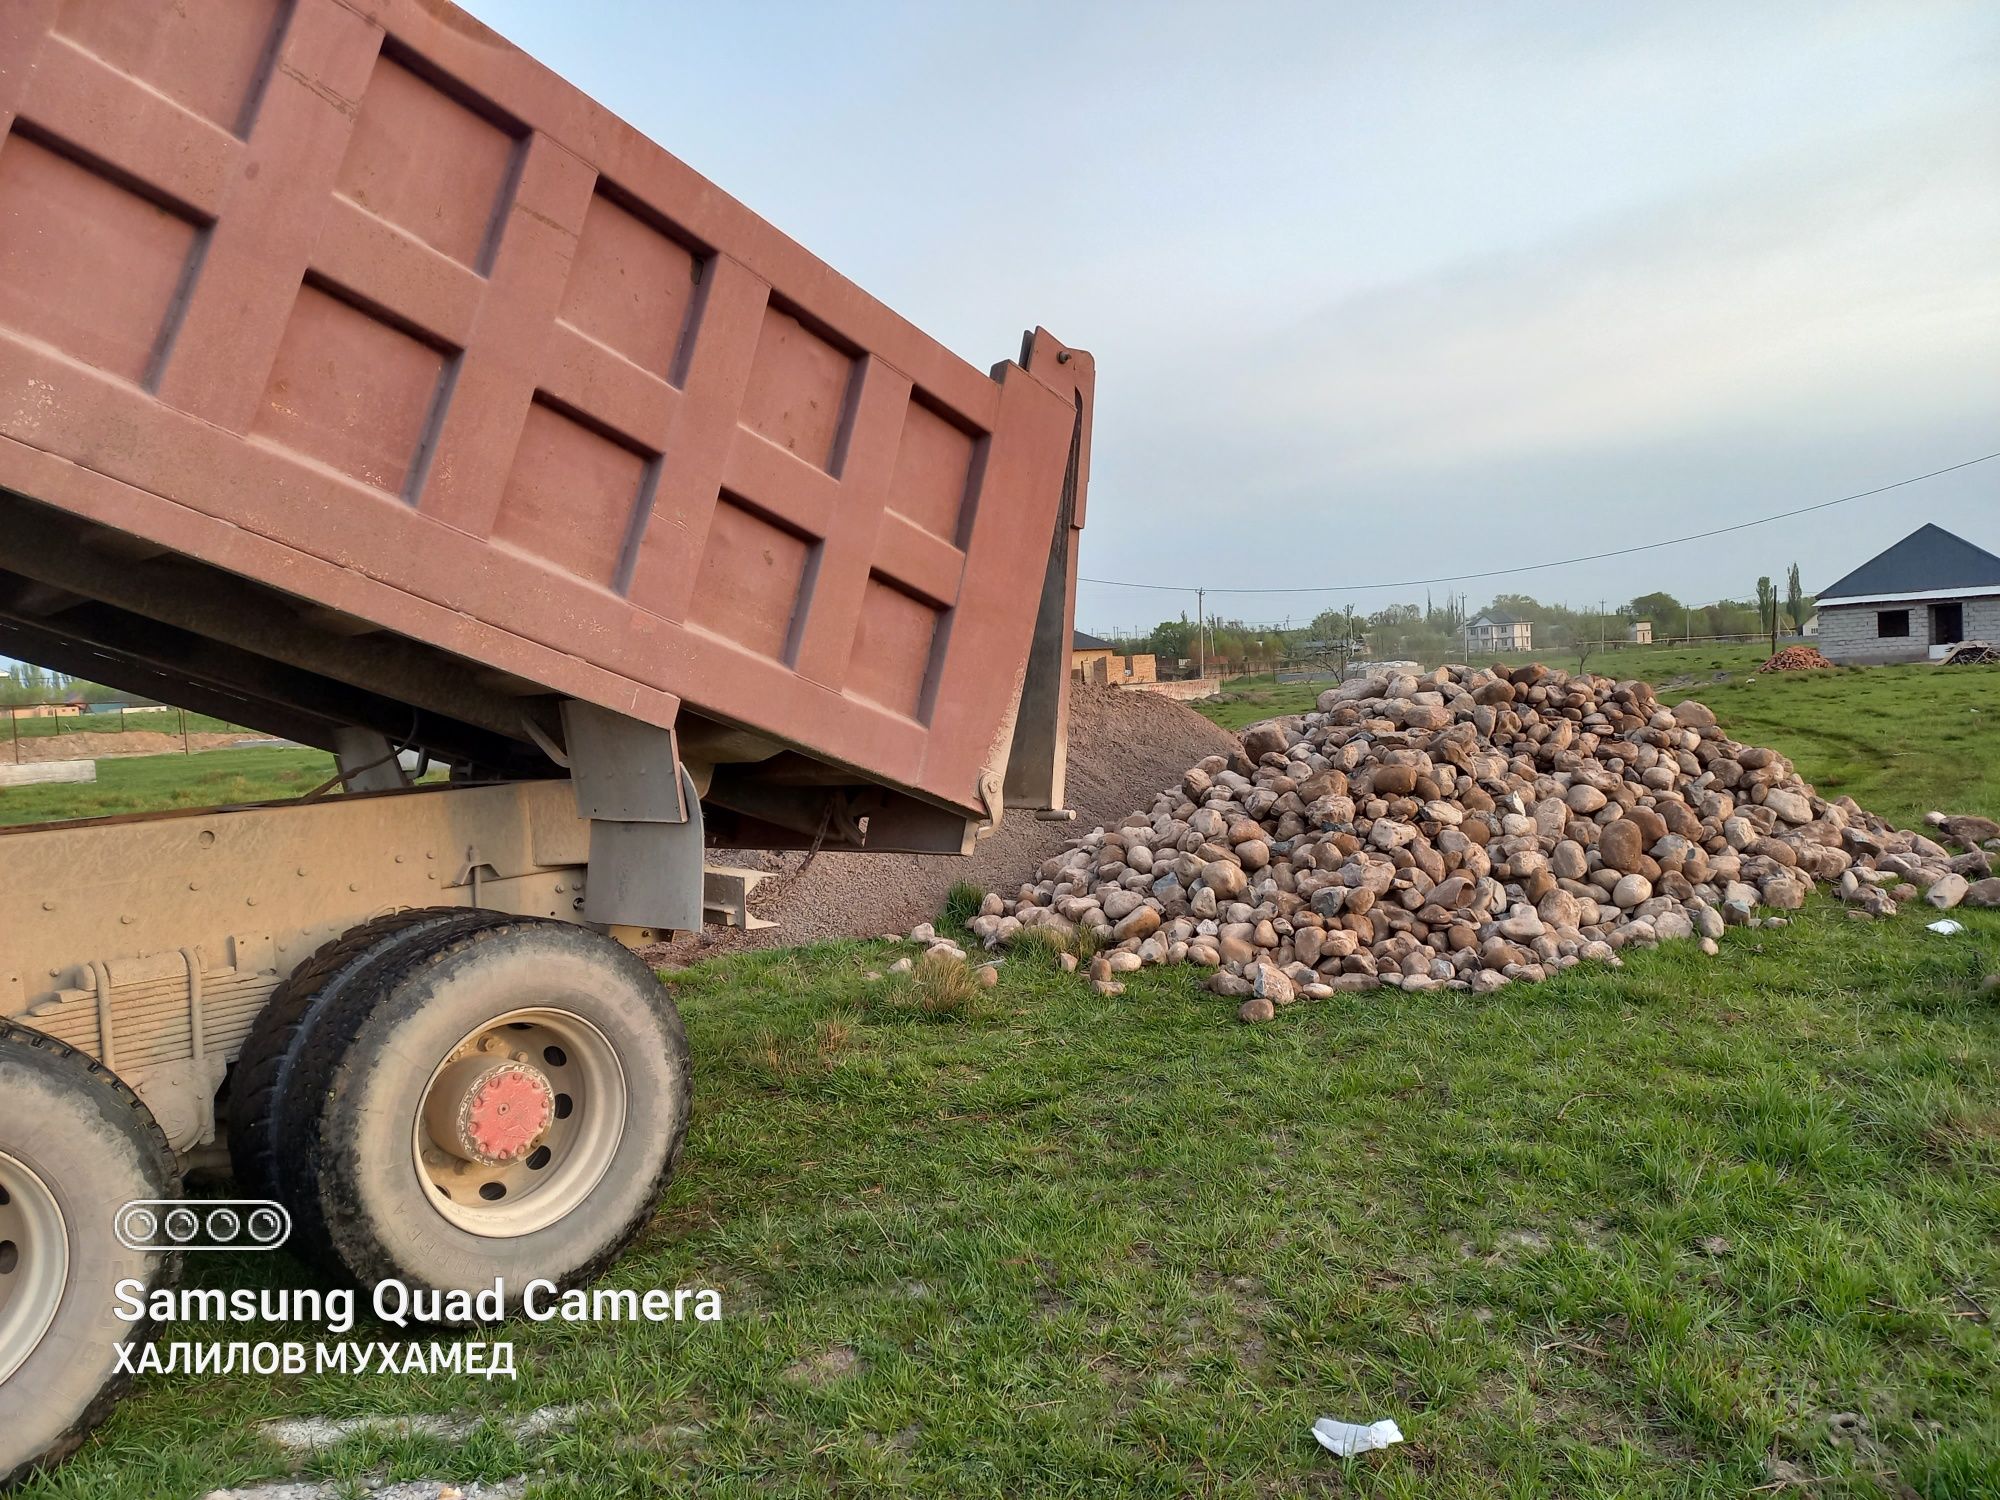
{"x": 1124, "y": 746}
{"x": 91, "y": 745}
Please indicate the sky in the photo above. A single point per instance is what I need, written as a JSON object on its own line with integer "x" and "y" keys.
{"x": 1381, "y": 293}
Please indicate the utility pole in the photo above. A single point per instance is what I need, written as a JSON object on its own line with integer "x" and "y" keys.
{"x": 1200, "y": 654}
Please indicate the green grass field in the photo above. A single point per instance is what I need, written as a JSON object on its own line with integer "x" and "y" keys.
{"x": 1697, "y": 1227}
{"x": 137, "y": 720}
{"x": 149, "y": 783}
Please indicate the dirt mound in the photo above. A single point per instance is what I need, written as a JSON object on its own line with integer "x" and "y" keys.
{"x": 1124, "y": 745}
{"x": 95, "y": 745}
{"x": 1796, "y": 659}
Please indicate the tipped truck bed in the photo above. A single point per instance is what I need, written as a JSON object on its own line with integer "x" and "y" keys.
{"x": 357, "y": 370}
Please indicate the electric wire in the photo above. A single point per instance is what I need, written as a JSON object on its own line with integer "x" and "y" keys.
{"x": 1410, "y": 583}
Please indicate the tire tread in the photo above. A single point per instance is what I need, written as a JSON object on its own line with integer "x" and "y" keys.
{"x": 263, "y": 1066}
{"x": 335, "y": 1222}
{"x": 119, "y": 1104}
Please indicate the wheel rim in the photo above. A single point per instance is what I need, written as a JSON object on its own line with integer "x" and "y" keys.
{"x": 519, "y": 1122}
{"x": 34, "y": 1262}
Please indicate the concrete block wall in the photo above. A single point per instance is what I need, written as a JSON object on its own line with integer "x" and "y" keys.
{"x": 1186, "y": 691}
{"x": 1847, "y": 631}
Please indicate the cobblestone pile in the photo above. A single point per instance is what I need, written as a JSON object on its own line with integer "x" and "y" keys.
{"x": 1466, "y": 828}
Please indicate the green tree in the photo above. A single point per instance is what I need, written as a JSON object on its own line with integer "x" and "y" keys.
{"x": 1334, "y": 624}
{"x": 1520, "y": 606}
{"x": 1662, "y": 608}
{"x": 1795, "y": 600}
{"x": 1172, "y": 639}
{"x": 1394, "y": 616}
{"x": 1445, "y": 618}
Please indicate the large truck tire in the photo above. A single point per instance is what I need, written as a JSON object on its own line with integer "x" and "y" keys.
{"x": 503, "y": 1103}
{"x": 258, "y": 1078}
{"x": 76, "y": 1145}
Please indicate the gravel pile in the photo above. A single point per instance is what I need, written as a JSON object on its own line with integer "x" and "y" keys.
{"x": 1123, "y": 745}
{"x": 1796, "y": 659}
{"x": 1466, "y": 828}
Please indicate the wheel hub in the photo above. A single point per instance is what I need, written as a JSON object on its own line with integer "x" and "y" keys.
{"x": 520, "y": 1122}
{"x": 489, "y": 1111}
{"x": 34, "y": 1261}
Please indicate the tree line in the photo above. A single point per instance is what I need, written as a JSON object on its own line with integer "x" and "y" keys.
{"x": 26, "y": 683}
{"x": 1433, "y": 631}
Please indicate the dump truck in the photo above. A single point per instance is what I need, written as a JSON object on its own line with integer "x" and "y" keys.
{"x": 364, "y": 383}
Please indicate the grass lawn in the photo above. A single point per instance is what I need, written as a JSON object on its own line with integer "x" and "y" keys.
{"x": 151, "y": 720}
{"x": 1638, "y": 1233}
{"x": 150, "y": 783}
{"x": 1901, "y": 741}
{"x": 1697, "y": 1227}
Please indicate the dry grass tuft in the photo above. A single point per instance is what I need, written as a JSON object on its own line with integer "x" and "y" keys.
{"x": 1036, "y": 947}
{"x": 796, "y": 1055}
{"x": 1085, "y": 941}
{"x": 946, "y": 987}
{"x": 831, "y": 1039}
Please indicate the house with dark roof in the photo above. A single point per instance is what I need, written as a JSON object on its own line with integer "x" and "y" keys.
{"x": 1496, "y": 630}
{"x": 1913, "y": 602}
{"x": 1092, "y": 659}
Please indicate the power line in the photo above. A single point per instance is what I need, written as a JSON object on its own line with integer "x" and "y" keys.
{"x": 1411, "y": 583}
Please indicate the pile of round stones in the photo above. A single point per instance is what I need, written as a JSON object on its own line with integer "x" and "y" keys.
{"x": 1463, "y": 828}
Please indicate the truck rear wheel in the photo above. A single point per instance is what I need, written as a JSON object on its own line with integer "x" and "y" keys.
{"x": 506, "y": 1102}
{"x": 259, "y": 1077}
{"x": 75, "y": 1145}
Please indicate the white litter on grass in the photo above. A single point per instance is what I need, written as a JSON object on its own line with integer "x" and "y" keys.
{"x": 1946, "y": 926}
{"x": 309, "y": 1434}
{"x": 384, "y": 1489}
{"x": 1345, "y": 1439}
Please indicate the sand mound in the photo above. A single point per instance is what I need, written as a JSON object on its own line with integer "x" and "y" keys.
{"x": 1124, "y": 745}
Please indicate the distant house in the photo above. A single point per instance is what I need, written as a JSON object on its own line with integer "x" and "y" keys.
{"x": 1095, "y": 660}
{"x": 1810, "y": 629}
{"x": 1912, "y": 602}
{"x": 1640, "y": 633}
{"x": 1495, "y": 630}
{"x": 1085, "y": 649}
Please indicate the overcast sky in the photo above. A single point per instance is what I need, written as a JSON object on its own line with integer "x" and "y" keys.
{"x": 1385, "y": 292}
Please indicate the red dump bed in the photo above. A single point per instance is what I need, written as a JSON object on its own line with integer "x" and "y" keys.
{"x": 361, "y": 302}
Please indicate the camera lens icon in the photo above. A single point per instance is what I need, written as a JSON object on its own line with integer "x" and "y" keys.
{"x": 138, "y": 1225}
{"x": 171, "y": 1224}
{"x": 267, "y": 1226}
